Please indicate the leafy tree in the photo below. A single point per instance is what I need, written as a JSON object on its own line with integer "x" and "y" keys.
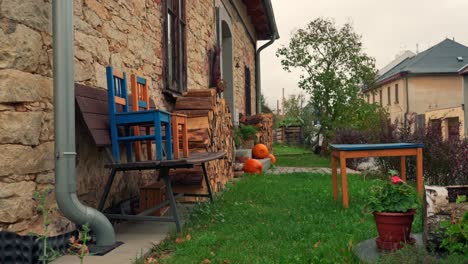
{"x": 265, "y": 108}
{"x": 333, "y": 69}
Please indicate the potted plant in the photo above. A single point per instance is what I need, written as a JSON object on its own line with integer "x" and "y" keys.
{"x": 394, "y": 205}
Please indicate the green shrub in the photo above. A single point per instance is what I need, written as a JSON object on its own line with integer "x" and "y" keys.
{"x": 456, "y": 240}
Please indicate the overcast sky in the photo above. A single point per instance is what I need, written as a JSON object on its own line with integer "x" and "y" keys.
{"x": 387, "y": 27}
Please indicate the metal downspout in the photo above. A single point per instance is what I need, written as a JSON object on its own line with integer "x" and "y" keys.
{"x": 64, "y": 128}
{"x": 274, "y": 36}
{"x": 258, "y": 93}
{"x": 407, "y": 102}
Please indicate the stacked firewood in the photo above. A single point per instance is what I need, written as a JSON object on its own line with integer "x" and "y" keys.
{"x": 209, "y": 129}
{"x": 264, "y": 125}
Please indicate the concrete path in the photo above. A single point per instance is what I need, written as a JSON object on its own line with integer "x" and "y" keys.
{"x": 138, "y": 238}
{"x": 286, "y": 170}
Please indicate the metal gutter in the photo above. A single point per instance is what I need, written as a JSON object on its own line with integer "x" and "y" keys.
{"x": 64, "y": 128}
{"x": 407, "y": 101}
{"x": 274, "y": 36}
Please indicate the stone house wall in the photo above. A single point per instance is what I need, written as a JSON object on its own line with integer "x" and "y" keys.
{"x": 125, "y": 34}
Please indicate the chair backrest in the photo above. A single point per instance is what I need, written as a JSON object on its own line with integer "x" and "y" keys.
{"x": 140, "y": 93}
{"x": 117, "y": 91}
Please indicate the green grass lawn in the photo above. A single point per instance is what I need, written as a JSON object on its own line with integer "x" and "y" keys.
{"x": 292, "y": 156}
{"x": 275, "y": 219}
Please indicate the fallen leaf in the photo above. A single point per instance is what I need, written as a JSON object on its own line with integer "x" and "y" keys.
{"x": 317, "y": 244}
{"x": 226, "y": 261}
{"x": 206, "y": 261}
{"x": 188, "y": 237}
{"x": 179, "y": 240}
{"x": 212, "y": 253}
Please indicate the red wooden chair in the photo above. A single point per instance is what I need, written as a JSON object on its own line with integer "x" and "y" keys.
{"x": 140, "y": 99}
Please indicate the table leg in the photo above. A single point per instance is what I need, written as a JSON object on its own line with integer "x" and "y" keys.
{"x": 334, "y": 176}
{"x": 207, "y": 181}
{"x": 165, "y": 175}
{"x": 419, "y": 170}
{"x": 344, "y": 180}
{"x": 107, "y": 189}
{"x": 403, "y": 168}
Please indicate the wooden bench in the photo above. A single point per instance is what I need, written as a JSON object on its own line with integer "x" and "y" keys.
{"x": 92, "y": 109}
{"x": 347, "y": 151}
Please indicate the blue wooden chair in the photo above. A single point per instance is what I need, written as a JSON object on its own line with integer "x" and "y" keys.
{"x": 118, "y": 98}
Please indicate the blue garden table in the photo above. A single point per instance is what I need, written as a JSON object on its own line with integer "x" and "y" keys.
{"x": 348, "y": 151}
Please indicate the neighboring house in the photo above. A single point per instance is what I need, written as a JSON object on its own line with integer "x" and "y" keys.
{"x": 398, "y": 59}
{"x": 169, "y": 42}
{"x": 427, "y": 84}
{"x": 464, "y": 72}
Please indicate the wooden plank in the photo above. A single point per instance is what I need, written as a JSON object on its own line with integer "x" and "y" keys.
{"x": 96, "y": 121}
{"x": 91, "y": 105}
{"x": 198, "y": 123}
{"x": 194, "y": 113}
{"x": 90, "y": 92}
{"x": 380, "y": 153}
{"x": 198, "y": 135}
{"x": 200, "y": 93}
{"x": 196, "y": 103}
{"x": 101, "y": 137}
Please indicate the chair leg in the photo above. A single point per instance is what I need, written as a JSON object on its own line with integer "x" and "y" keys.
{"x": 129, "y": 145}
{"x": 107, "y": 188}
{"x": 149, "y": 146}
{"x": 207, "y": 181}
{"x": 137, "y": 144}
{"x": 185, "y": 144}
{"x": 168, "y": 140}
{"x": 158, "y": 138}
{"x": 165, "y": 175}
{"x": 115, "y": 144}
{"x": 175, "y": 136}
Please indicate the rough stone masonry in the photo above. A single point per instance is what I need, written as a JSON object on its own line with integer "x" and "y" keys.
{"x": 125, "y": 34}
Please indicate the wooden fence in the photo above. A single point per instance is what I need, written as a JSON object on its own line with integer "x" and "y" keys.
{"x": 291, "y": 135}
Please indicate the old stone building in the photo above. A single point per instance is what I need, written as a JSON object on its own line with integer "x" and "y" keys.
{"x": 169, "y": 42}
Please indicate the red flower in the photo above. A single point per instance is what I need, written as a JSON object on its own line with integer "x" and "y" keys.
{"x": 396, "y": 180}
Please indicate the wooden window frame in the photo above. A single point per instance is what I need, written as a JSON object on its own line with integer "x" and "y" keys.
{"x": 175, "y": 61}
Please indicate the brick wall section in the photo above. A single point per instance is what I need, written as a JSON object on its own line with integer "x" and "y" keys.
{"x": 125, "y": 34}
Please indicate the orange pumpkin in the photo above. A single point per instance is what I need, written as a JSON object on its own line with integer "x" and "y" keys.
{"x": 253, "y": 166}
{"x": 260, "y": 151}
{"x": 273, "y": 158}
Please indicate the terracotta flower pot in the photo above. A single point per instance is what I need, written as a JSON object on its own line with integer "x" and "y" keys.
{"x": 394, "y": 230}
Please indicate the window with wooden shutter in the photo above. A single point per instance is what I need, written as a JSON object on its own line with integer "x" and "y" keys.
{"x": 175, "y": 46}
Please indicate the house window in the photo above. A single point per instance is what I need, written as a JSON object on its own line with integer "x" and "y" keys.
{"x": 373, "y": 97}
{"x": 453, "y": 127}
{"x": 396, "y": 94}
{"x": 388, "y": 96}
{"x": 380, "y": 97}
{"x": 368, "y": 98}
{"x": 176, "y": 60}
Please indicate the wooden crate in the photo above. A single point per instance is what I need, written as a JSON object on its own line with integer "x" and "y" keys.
{"x": 152, "y": 195}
